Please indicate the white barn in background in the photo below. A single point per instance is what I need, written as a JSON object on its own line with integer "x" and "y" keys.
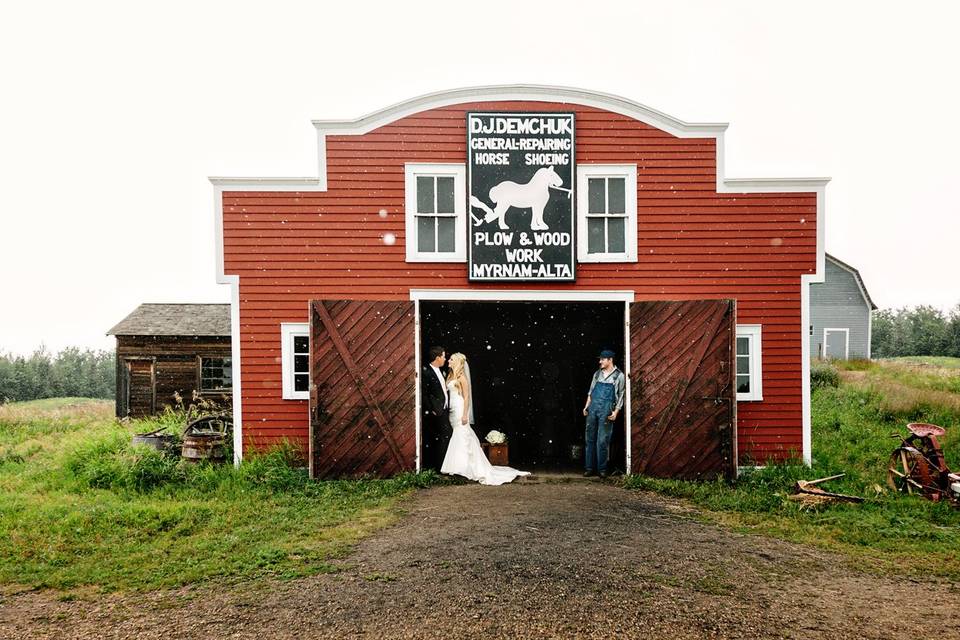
{"x": 840, "y": 318}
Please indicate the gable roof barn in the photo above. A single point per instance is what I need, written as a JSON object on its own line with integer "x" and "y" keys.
{"x": 840, "y": 313}
{"x": 856, "y": 275}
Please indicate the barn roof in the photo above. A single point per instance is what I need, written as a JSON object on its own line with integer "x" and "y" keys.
{"x": 175, "y": 320}
{"x": 856, "y": 275}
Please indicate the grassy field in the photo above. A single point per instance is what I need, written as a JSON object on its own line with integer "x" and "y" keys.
{"x": 80, "y": 507}
{"x": 851, "y": 427}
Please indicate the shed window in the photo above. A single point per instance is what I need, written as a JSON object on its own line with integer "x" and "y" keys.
{"x": 295, "y": 360}
{"x": 607, "y": 213}
{"x": 748, "y": 357}
{"x": 435, "y": 212}
{"x": 216, "y": 374}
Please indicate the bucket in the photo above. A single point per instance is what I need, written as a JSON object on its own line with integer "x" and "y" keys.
{"x": 204, "y": 438}
{"x": 203, "y": 447}
{"x": 164, "y": 442}
{"x": 158, "y": 441}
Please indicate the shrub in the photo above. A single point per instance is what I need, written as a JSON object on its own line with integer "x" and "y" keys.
{"x": 824, "y": 374}
{"x": 94, "y": 461}
{"x": 147, "y": 469}
{"x": 112, "y": 462}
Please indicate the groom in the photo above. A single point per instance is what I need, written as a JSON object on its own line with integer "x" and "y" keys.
{"x": 436, "y": 407}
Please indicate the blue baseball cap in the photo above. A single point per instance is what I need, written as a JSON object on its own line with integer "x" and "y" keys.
{"x": 607, "y": 353}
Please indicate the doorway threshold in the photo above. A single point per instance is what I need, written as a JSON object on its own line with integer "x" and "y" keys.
{"x": 563, "y": 477}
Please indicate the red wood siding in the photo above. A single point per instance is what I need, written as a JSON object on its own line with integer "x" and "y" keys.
{"x": 694, "y": 243}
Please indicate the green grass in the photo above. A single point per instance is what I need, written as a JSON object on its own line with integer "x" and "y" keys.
{"x": 851, "y": 425}
{"x": 47, "y": 404}
{"x": 920, "y": 373}
{"x": 932, "y": 361}
{"x": 80, "y": 507}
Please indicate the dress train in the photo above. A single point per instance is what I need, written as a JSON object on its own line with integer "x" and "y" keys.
{"x": 464, "y": 455}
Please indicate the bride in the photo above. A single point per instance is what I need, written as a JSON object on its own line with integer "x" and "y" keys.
{"x": 464, "y": 455}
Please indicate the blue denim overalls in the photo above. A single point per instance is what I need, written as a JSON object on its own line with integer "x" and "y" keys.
{"x": 598, "y": 431}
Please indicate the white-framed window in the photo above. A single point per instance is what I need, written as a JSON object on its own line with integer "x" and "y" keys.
{"x": 436, "y": 217}
{"x": 295, "y": 360}
{"x": 216, "y": 374}
{"x": 748, "y": 369}
{"x": 607, "y": 213}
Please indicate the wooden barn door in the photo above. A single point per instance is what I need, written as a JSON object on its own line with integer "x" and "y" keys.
{"x": 141, "y": 388}
{"x": 362, "y": 388}
{"x": 683, "y": 399}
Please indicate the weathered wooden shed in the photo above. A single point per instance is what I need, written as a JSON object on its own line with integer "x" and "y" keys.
{"x": 167, "y": 349}
{"x": 841, "y": 321}
{"x": 527, "y": 227}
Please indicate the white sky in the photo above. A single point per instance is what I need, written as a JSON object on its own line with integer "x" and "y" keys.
{"x": 113, "y": 114}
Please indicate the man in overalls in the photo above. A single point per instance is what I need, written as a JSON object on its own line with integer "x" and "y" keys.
{"x": 604, "y": 402}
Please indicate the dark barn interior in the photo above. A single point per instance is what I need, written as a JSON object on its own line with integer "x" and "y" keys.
{"x": 531, "y": 365}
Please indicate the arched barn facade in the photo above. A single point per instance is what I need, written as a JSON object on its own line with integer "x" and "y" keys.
{"x": 527, "y": 227}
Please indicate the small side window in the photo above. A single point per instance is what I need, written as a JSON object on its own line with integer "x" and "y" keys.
{"x": 295, "y": 360}
{"x": 748, "y": 362}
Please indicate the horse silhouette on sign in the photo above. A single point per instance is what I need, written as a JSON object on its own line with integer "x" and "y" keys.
{"x": 532, "y": 195}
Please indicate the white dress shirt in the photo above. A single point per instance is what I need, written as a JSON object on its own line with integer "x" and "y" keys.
{"x": 443, "y": 385}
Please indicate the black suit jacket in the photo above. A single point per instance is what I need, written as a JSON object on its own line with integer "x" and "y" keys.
{"x": 432, "y": 395}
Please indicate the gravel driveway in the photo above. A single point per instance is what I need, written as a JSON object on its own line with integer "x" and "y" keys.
{"x": 530, "y": 560}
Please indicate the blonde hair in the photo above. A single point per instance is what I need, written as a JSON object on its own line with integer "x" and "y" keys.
{"x": 456, "y": 362}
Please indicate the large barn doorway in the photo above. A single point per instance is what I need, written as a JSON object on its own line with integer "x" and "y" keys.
{"x": 531, "y": 364}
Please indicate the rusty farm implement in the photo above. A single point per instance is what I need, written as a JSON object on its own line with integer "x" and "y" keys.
{"x": 917, "y": 465}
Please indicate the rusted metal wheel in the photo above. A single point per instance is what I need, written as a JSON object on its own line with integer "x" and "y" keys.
{"x": 908, "y": 471}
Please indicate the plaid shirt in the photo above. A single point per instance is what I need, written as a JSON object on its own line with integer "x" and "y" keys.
{"x": 615, "y": 378}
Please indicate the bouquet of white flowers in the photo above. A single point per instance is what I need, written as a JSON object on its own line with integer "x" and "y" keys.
{"x": 496, "y": 437}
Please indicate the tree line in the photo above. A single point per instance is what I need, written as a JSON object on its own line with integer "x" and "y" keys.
{"x": 72, "y": 372}
{"x": 922, "y": 331}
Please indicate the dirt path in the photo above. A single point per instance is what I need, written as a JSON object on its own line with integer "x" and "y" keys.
{"x": 530, "y": 560}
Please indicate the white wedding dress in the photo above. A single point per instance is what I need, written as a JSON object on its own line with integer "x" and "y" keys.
{"x": 464, "y": 455}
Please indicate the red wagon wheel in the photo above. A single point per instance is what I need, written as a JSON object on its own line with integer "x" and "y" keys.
{"x": 909, "y": 472}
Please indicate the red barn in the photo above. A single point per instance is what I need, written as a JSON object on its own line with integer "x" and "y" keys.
{"x": 527, "y": 227}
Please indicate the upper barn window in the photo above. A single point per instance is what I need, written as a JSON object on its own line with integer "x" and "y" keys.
{"x": 607, "y": 213}
{"x": 435, "y": 212}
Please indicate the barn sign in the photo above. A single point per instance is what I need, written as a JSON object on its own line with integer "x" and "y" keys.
{"x": 521, "y": 196}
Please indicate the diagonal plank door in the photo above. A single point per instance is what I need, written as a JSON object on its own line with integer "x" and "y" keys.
{"x": 362, "y": 388}
{"x": 683, "y": 403}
